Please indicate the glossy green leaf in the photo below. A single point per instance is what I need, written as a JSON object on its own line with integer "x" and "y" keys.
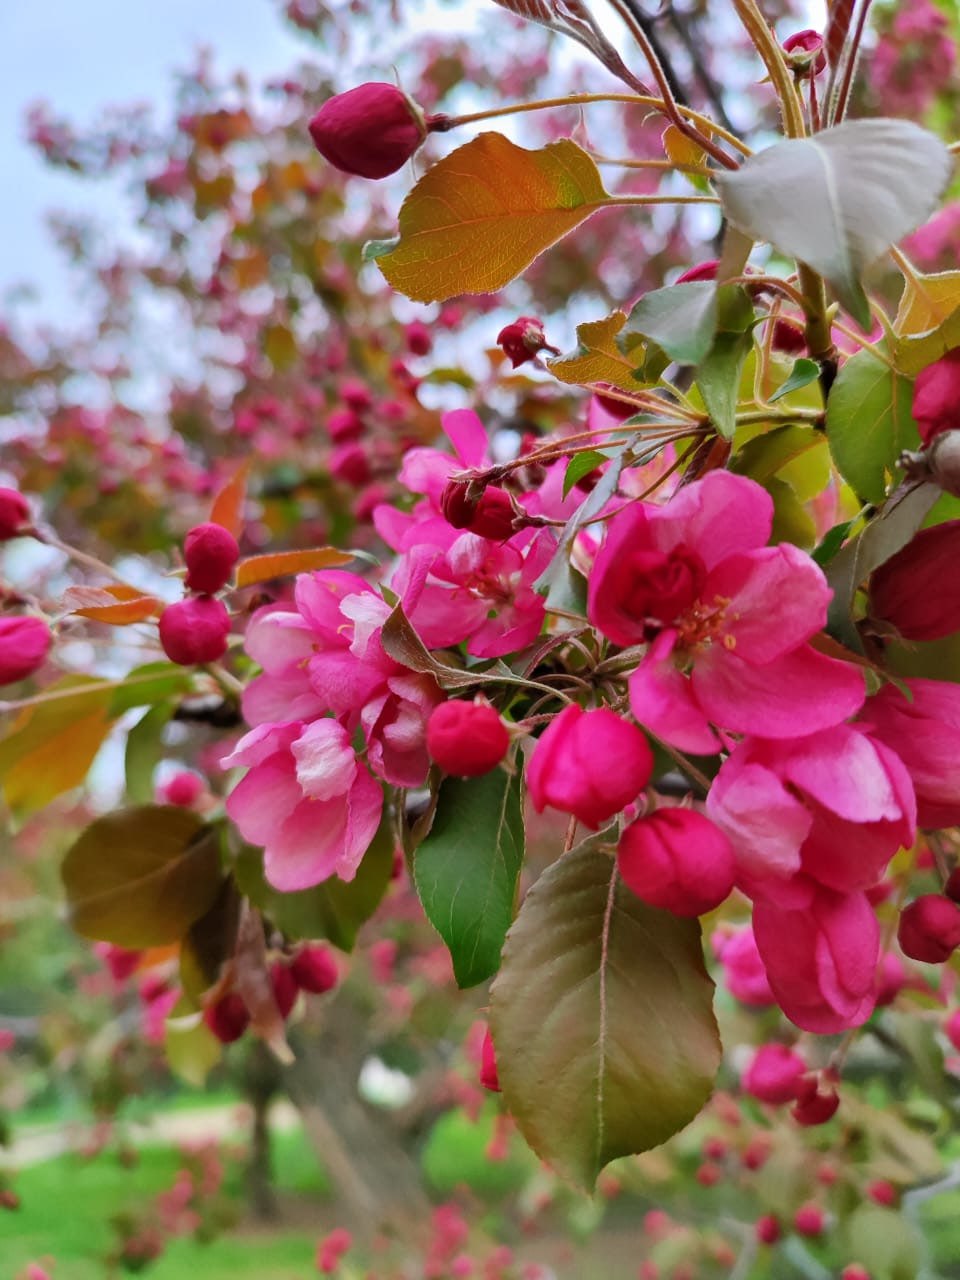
{"x": 718, "y": 373}
{"x": 602, "y": 1019}
{"x": 580, "y": 465}
{"x": 802, "y": 374}
{"x": 190, "y": 1047}
{"x": 144, "y": 751}
{"x": 141, "y": 877}
{"x": 467, "y": 868}
{"x": 869, "y": 423}
{"x": 681, "y": 319}
{"x": 335, "y": 909}
{"x": 884, "y": 1243}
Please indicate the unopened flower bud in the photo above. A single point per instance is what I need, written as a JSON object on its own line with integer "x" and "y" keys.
{"x": 523, "y": 339}
{"x": 929, "y": 929}
{"x": 805, "y": 47}
{"x": 210, "y": 552}
{"x": 14, "y": 514}
{"x": 767, "y": 1229}
{"x": 917, "y": 589}
{"x": 24, "y": 644}
{"x": 809, "y": 1220}
{"x": 814, "y": 1105}
{"x": 285, "y": 987}
{"x": 489, "y": 1076}
{"x": 195, "y": 630}
{"x": 227, "y": 1017}
{"x": 936, "y": 396}
{"x": 491, "y": 515}
{"x": 678, "y": 860}
{"x": 315, "y": 970}
{"x": 774, "y": 1074}
{"x": 466, "y": 739}
{"x": 371, "y": 130}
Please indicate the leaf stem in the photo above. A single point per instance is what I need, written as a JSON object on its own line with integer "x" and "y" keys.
{"x": 765, "y": 43}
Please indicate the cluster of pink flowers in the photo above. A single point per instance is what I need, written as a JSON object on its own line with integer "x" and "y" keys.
{"x": 816, "y": 785}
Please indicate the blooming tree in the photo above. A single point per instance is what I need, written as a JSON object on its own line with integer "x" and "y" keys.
{"x": 705, "y": 610}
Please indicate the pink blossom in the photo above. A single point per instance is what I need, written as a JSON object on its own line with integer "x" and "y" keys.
{"x": 821, "y": 959}
{"x": 306, "y": 799}
{"x": 829, "y": 809}
{"x": 696, "y": 586}
{"x": 774, "y": 1074}
{"x": 570, "y": 768}
{"x": 745, "y": 976}
{"x": 676, "y": 859}
{"x": 925, "y": 733}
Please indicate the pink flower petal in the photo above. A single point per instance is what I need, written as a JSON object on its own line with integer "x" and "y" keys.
{"x": 778, "y": 598}
{"x": 662, "y": 701}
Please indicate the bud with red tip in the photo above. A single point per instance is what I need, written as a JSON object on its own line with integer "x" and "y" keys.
{"x": 676, "y": 859}
{"x": 805, "y": 47}
{"x": 315, "y": 970}
{"x": 814, "y": 1107}
{"x": 936, "y": 396}
{"x": 491, "y": 515}
{"x": 929, "y": 929}
{"x": 24, "y": 644}
{"x": 285, "y": 987}
{"x": 882, "y": 1192}
{"x": 916, "y": 590}
{"x": 210, "y": 552}
{"x": 809, "y": 1220}
{"x": 371, "y": 130}
{"x": 523, "y": 339}
{"x": 767, "y": 1229}
{"x": 195, "y": 630}
{"x": 14, "y": 514}
{"x": 419, "y": 338}
{"x": 489, "y": 1077}
{"x": 466, "y": 739}
{"x": 774, "y": 1074}
{"x": 227, "y": 1017}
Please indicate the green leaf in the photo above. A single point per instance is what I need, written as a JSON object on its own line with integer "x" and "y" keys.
{"x": 869, "y": 423}
{"x": 601, "y": 1017}
{"x": 884, "y": 1243}
{"x": 148, "y": 685}
{"x": 466, "y": 870}
{"x": 718, "y": 373}
{"x": 681, "y": 319}
{"x": 580, "y": 465}
{"x": 830, "y": 543}
{"x": 916, "y": 352}
{"x": 764, "y": 455}
{"x": 802, "y": 374}
{"x": 484, "y": 212}
{"x": 597, "y": 357}
{"x": 838, "y": 200}
{"x": 144, "y": 750}
{"x": 209, "y": 943}
{"x": 190, "y": 1047}
{"x": 141, "y": 877}
{"x": 335, "y": 909}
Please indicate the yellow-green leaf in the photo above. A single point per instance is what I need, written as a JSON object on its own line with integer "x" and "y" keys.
{"x": 484, "y": 212}
{"x": 597, "y": 357}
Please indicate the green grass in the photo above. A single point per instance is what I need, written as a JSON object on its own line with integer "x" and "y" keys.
{"x": 67, "y": 1204}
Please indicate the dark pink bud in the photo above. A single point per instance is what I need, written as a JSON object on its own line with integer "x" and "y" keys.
{"x": 356, "y": 395}
{"x": 210, "y": 552}
{"x": 936, "y": 396}
{"x": 570, "y": 766}
{"x": 854, "y": 1271}
{"x": 24, "y": 644}
{"x": 756, "y": 1153}
{"x": 371, "y": 131}
{"x": 809, "y": 1220}
{"x": 121, "y": 962}
{"x": 315, "y": 970}
{"x": 929, "y": 929}
{"x": 774, "y": 1074}
{"x": 349, "y": 463}
{"x": 419, "y": 338}
{"x": 678, "y": 860}
{"x": 344, "y": 425}
{"x": 788, "y": 337}
{"x": 700, "y": 271}
{"x": 14, "y": 514}
{"x": 489, "y": 1077}
{"x": 882, "y": 1192}
{"x": 285, "y": 987}
{"x": 466, "y": 739}
{"x": 195, "y": 630}
{"x": 814, "y": 1106}
{"x": 227, "y": 1017}
{"x": 767, "y": 1229}
{"x": 489, "y": 516}
{"x": 917, "y": 590}
{"x": 183, "y": 789}
{"x": 803, "y": 45}
{"x": 709, "y": 1174}
{"x": 331, "y": 1249}
{"x": 523, "y": 339}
